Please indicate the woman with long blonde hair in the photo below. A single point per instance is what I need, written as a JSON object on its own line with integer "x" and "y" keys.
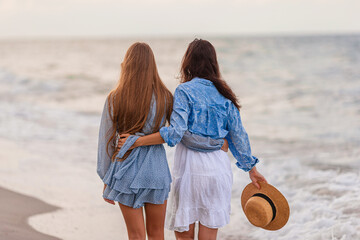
{"x": 204, "y": 104}
{"x": 139, "y": 105}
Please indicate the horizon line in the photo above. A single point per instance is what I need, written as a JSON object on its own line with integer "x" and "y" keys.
{"x": 182, "y": 35}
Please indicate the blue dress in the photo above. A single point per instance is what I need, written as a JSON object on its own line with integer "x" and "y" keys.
{"x": 144, "y": 176}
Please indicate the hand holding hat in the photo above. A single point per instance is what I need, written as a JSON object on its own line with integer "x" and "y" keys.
{"x": 265, "y": 207}
{"x": 256, "y": 177}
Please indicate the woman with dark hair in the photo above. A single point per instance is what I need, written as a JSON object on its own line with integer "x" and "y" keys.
{"x": 204, "y": 105}
{"x": 139, "y": 178}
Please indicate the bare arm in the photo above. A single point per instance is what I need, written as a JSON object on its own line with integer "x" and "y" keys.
{"x": 151, "y": 139}
{"x": 154, "y": 139}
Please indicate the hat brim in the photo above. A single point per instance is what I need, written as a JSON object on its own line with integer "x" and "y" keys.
{"x": 280, "y": 202}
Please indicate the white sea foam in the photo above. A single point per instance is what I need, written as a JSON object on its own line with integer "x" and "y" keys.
{"x": 301, "y": 108}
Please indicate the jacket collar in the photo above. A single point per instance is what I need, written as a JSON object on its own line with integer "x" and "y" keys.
{"x": 202, "y": 80}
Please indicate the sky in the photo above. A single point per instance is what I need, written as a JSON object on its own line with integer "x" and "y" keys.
{"x": 126, "y": 18}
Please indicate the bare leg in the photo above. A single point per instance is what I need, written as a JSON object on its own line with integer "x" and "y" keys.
{"x": 188, "y": 235}
{"x": 134, "y": 220}
{"x": 206, "y": 233}
{"x": 155, "y": 219}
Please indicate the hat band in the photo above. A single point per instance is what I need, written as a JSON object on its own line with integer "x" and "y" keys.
{"x": 269, "y": 201}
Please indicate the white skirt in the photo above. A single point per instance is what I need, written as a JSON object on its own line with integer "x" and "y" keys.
{"x": 200, "y": 190}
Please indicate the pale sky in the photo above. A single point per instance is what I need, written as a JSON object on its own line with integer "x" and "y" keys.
{"x": 126, "y": 18}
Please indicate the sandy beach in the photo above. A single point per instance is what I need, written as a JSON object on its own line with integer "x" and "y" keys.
{"x": 15, "y": 209}
{"x": 300, "y": 98}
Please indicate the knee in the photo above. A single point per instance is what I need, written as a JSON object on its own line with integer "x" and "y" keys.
{"x": 155, "y": 233}
{"x": 137, "y": 238}
{"x": 184, "y": 236}
{"x": 136, "y": 235}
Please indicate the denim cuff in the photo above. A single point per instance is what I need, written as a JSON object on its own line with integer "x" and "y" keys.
{"x": 248, "y": 165}
{"x": 164, "y": 133}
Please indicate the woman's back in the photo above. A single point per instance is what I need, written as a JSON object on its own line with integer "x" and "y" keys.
{"x": 202, "y": 110}
{"x": 149, "y": 126}
{"x": 208, "y": 109}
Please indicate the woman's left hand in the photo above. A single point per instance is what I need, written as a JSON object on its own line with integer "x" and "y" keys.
{"x": 256, "y": 177}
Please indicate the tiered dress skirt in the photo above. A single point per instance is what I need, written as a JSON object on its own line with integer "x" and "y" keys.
{"x": 200, "y": 190}
{"x": 143, "y": 177}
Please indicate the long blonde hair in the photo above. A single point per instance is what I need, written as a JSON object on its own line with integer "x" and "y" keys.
{"x": 129, "y": 101}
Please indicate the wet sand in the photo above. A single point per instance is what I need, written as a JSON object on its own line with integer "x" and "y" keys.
{"x": 15, "y": 209}
{"x": 300, "y": 98}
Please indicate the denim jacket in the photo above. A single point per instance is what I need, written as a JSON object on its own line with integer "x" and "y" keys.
{"x": 193, "y": 141}
{"x": 202, "y": 110}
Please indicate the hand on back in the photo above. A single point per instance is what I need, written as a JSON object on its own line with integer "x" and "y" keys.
{"x": 225, "y": 146}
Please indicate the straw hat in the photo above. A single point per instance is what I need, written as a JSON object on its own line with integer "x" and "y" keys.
{"x": 266, "y": 207}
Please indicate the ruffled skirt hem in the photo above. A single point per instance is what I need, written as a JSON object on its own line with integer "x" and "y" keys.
{"x": 137, "y": 200}
{"x": 184, "y": 217}
{"x": 143, "y": 177}
{"x": 201, "y": 189}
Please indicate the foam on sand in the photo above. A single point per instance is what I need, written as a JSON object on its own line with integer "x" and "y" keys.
{"x": 300, "y": 100}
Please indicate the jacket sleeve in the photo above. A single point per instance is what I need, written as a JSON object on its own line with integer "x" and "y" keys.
{"x": 239, "y": 143}
{"x": 106, "y": 128}
{"x": 200, "y": 143}
{"x": 173, "y": 134}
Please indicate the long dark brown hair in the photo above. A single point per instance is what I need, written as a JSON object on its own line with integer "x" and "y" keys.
{"x": 200, "y": 61}
{"x": 130, "y": 100}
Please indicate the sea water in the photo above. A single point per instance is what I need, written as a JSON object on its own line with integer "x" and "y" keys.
{"x": 300, "y": 100}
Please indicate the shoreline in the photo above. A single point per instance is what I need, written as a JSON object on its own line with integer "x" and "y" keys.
{"x": 300, "y": 109}
{"x": 15, "y": 210}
